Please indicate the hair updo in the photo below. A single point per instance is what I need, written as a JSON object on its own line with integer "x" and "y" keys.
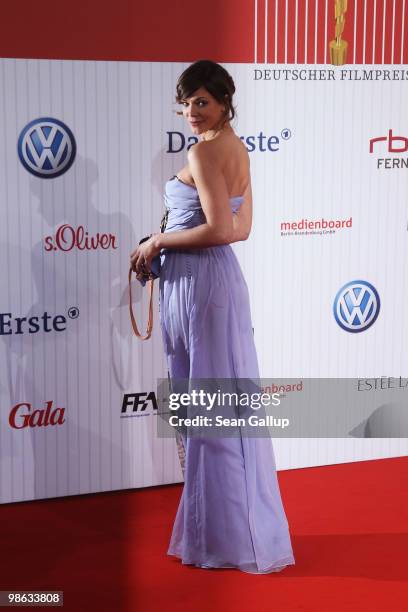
{"x": 214, "y": 78}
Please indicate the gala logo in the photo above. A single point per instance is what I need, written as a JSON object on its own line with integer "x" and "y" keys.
{"x": 22, "y": 416}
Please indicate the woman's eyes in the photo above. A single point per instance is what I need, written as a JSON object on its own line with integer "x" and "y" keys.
{"x": 199, "y": 103}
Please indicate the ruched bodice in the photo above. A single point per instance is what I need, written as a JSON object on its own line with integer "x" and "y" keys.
{"x": 184, "y": 206}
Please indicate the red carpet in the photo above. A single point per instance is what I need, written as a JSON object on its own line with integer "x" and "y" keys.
{"x": 107, "y": 552}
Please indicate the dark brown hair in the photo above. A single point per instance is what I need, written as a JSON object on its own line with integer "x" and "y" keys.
{"x": 213, "y": 77}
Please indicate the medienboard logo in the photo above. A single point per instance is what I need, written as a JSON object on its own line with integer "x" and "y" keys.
{"x": 46, "y": 147}
{"x": 310, "y": 227}
{"x": 391, "y": 143}
{"x": 356, "y": 306}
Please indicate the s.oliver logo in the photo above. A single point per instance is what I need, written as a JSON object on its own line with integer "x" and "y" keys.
{"x": 22, "y": 416}
{"x": 36, "y": 323}
{"x": 68, "y": 238}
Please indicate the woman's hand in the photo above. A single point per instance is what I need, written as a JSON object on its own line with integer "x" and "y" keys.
{"x": 141, "y": 257}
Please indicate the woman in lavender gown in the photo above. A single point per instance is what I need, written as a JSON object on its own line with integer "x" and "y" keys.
{"x": 230, "y": 513}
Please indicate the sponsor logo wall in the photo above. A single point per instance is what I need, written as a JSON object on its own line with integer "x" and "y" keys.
{"x": 85, "y": 151}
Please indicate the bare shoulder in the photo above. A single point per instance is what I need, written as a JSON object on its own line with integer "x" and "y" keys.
{"x": 223, "y": 158}
{"x": 202, "y": 150}
{"x": 195, "y": 150}
{"x": 216, "y": 148}
{"x": 203, "y": 155}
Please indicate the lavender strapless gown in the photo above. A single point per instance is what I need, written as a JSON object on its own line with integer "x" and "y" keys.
{"x": 230, "y": 512}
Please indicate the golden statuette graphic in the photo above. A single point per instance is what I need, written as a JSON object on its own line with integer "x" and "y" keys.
{"x": 338, "y": 46}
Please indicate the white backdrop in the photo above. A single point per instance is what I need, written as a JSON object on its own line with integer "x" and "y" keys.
{"x": 86, "y": 360}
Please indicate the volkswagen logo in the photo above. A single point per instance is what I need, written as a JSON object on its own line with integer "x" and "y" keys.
{"x": 46, "y": 147}
{"x": 356, "y": 306}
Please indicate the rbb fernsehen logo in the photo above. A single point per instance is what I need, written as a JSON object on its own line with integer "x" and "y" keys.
{"x": 46, "y": 147}
{"x": 356, "y": 306}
